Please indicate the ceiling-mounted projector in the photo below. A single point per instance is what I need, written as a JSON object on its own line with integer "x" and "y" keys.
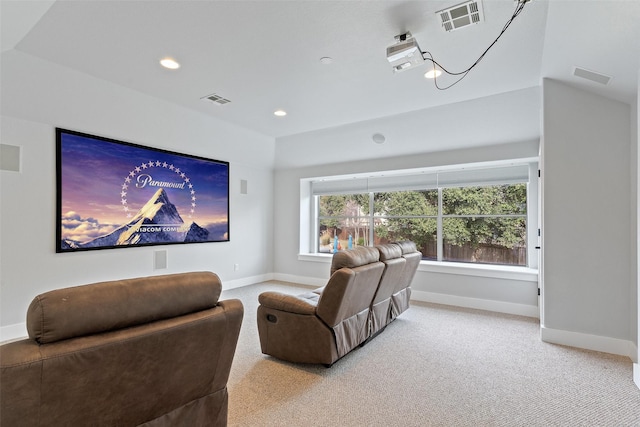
{"x": 405, "y": 53}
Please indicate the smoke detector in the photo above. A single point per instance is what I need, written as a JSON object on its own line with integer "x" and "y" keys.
{"x": 461, "y": 15}
{"x": 405, "y": 53}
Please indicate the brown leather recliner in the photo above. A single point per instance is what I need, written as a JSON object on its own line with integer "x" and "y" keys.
{"x": 152, "y": 351}
{"x": 322, "y": 326}
{"x": 367, "y": 290}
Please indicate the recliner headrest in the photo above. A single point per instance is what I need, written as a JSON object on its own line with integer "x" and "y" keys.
{"x": 352, "y": 258}
{"x": 389, "y": 251}
{"x": 100, "y": 307}
{"x": 407, "y": 246}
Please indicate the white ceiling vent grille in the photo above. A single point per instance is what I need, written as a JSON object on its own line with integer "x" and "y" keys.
{"x": 461, "y": 15}
{"x": 216, "y": 99}
{"x": 603, "y": 79}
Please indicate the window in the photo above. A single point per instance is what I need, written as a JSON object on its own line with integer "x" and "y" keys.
{"x": 485, "y": 224}
{"x": 472, "y": 216}
{"x": 408, "y": 215}
{"x": 343, "y": 222}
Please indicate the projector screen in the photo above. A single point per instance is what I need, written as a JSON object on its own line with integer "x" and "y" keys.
{"x": 115, "y": 194}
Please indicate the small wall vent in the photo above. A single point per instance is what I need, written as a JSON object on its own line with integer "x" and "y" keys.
{"x": 461, "y": 15}
{"x": 216, "y": 99}
{"x": 603, "y": 79}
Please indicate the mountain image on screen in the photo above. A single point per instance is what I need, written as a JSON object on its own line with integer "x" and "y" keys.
{"x": 158, "y": 221}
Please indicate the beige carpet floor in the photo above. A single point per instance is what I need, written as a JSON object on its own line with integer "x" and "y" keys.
{"x": 434, "y": 366}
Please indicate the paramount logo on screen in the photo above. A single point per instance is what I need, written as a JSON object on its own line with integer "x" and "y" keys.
{"x": 144, "y": 180}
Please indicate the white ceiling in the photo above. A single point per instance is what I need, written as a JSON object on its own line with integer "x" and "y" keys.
{"x": 265, "y": 55}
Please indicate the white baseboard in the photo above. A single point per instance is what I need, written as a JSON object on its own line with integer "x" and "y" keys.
{"x": 634, "y": 352}
{"x": 589, "y": 342}
{"x": 636, "y": 374}
{"x": 480, "y": 304}
{"x": 246, "y": 281}
{"x": 13, "y": 332}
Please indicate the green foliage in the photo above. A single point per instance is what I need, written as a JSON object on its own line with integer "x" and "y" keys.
{"x": 422, "y": 231}
{"x": 406, "y": 203}
{"x": 331, "y": 206}
{"x": 398, "y": 212}
{"x": 493, "y": 200}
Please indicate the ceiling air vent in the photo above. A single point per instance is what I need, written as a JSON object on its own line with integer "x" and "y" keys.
{"x": 461, "y": 15}
{"x": 591, "y": 75}
{"x": 216, "y": 99}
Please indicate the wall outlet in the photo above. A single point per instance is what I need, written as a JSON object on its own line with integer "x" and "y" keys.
{"x": 236, "y": 267}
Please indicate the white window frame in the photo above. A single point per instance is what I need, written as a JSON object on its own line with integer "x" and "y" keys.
{"x": 309, "y": 225}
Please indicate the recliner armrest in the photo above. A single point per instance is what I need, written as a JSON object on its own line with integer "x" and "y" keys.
{"x": 288, "y": 303}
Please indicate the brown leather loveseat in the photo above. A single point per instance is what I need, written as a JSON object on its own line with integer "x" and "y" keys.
{"x": 152, "y": 351}
{"x": 368, "y": 288}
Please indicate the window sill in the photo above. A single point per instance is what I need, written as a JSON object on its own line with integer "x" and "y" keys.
{"x": 479, "y": 270}
{"x": 326, "y": 258}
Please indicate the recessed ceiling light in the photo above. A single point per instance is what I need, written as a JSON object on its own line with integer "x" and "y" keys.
{"x": 432, "y": 73}
{"x": 280, "y": 113}
{"x": 169, "y": 63}
{"x": 326, "y": 60}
